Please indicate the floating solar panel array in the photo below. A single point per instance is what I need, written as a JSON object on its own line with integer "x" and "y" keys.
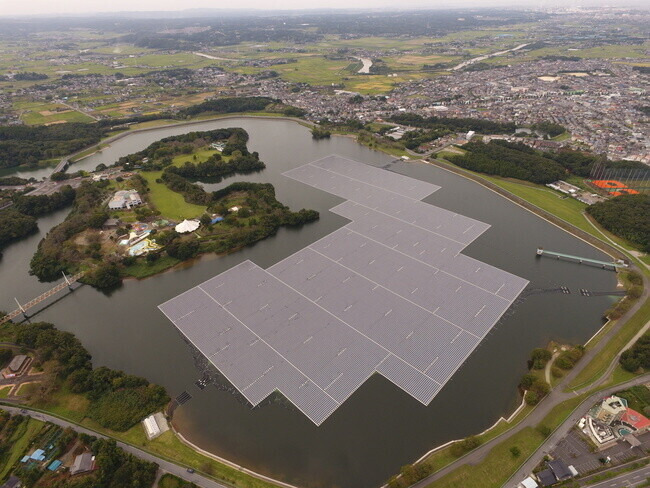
{"x": 389, "y": 292}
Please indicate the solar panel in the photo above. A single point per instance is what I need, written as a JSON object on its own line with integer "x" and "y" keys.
{"x": 389, "y": 292}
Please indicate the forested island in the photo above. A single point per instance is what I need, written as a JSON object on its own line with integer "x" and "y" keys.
{"x": 110, "y": 244}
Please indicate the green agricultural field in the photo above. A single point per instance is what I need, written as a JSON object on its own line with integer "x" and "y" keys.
{"x": 157, "y": 61}
{"x": 35, "y": 118}
{"x": 171, "y": 205}
{"x": 120, "y": 49}
{"x": 315, "y": 70}
{"x": 415, "y": 61}
{"x": 20, "y": 441}
{"x": 619, "y": 51}
{"x": 36, "y": 113}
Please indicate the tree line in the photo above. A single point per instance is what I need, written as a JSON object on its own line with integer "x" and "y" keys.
{"x": 23, "y": 144}
{"x": 638, "y": 356}
{"x": 52, "y": 256}
{"x": 19, "y": 220}
{"x": 27, "y": 145}
{"x": 627, "y": 216}
{"x": 118, "y": 400}
{"x": 510, "y": 160}
{"x": 228, "y": 105}
{"x": 457, "y": 124}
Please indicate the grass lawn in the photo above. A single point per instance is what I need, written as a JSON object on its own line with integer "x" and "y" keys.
{"x": 143, "y": 269}
{"x": 66, "y": 404}
{"x": 4, "y": 391}
{"x": 172, "y": 205}
{"x": 26, "y": 388}
{"x": 201, "y": 156}
{"x": 171, "y": 481}
{"x": 74, "y": 406}
{"x": 19, "y": 442}
{"x": 443, "y": 457}
{"x": 170, "y": 447}
{"x": 599, "y": 364}
{"x": 497, "y": 466}
{"x": 88, "y": 152}
{"x": 566, "y": 208}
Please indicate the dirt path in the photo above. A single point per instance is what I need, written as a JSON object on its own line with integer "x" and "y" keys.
{"x": 549, "y": 365}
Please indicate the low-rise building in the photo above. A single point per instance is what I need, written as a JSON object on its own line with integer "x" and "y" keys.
{"x": 83, "y": 463}
{"x": 12, "y": 482}
{"x": 528, "y": 483}
{"x": 17, "y": 366}
{"x": 611, "y": 409}
{"x": 155, "y": 425}
{"x": 125, "y": 199}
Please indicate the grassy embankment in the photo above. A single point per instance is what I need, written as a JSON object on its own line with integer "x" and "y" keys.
{"x": 562, "y": 206}
{"x": 500, "y": 463}
{"x": 498, "y": 466}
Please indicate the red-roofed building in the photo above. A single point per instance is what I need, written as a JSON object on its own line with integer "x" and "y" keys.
{"x": 637, "y": 421}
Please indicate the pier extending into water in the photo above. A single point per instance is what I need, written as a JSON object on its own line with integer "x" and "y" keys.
{"x": 604, "y": 264}
{"x": 22, "y": 309}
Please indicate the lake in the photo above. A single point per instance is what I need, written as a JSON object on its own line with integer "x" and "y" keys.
{"x": 379, "y": 428}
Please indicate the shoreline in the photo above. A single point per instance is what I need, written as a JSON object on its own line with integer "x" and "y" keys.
{"x": 504, "y": 193}
{"x": 227, "y": 462}
{"x": 534, "y": 209}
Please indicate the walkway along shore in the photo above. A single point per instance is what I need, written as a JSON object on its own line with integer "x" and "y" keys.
{"x": 229, "y": 463}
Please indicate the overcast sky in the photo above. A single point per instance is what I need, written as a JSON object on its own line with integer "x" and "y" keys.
{"x": 35, "y": 7}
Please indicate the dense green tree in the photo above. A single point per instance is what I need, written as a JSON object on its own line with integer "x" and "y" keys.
{"x": 627, "y": 216}
{"x": 14, "y": 225}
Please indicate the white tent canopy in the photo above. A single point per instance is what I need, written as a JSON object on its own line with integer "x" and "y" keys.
{"x": 187, "y": 226}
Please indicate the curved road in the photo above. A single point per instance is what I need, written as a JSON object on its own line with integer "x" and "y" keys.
{"x": 554, "y": 398}
{"x": 164, "y": 465}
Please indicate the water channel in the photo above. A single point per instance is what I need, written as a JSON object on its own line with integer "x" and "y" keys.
{"x": 380, "y": 428}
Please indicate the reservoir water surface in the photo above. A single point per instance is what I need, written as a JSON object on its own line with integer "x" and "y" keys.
{"x": 379, "y": 428}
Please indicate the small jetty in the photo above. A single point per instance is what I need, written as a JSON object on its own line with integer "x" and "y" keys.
{"x": 613, "y": 265}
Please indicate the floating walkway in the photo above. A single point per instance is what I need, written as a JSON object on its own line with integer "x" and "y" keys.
{"x": 604, "y": 264}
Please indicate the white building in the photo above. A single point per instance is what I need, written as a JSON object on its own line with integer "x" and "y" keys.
{"x": 125, "y": 199}
{"x": 187, "y": 226}
{"x": 155, "y": 425}
{"x": 528, "y": 483}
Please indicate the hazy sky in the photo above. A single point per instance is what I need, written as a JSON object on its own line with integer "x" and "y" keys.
{"x": 35, "y": 7}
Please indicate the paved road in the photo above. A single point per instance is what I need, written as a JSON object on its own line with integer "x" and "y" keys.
{"x": 165, "y": 466}
{"x": 625, "y": 480}
{"x": 555, "y": 397}
{"x": 566, "y": 426}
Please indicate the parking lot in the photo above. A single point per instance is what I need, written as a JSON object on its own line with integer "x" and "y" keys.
{"x": 575, "y": 450}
